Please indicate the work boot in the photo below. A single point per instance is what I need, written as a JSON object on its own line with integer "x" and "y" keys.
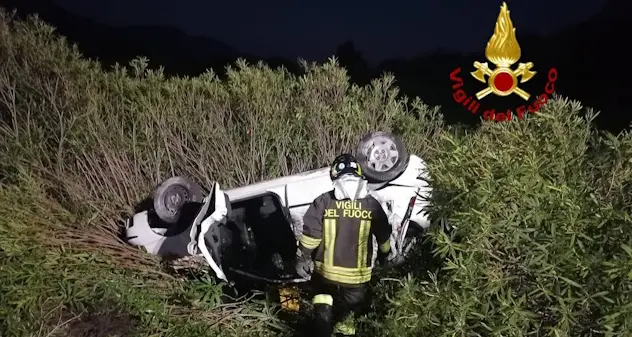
{"x": 323, "y": 320}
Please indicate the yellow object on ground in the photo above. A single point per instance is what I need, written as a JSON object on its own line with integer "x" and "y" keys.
{"x": 289, "y": 297}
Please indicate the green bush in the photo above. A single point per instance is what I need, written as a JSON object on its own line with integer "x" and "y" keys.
{"x": 541, "y": 237}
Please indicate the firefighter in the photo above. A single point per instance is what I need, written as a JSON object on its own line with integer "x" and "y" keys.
{"x": 337, "y": 246}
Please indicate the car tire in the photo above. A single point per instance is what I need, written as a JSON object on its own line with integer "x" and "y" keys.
{"x": 382, "y": 156}
{"x": 172, "y": 194}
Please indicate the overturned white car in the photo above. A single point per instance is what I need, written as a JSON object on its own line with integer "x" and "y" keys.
{"x": 252, "y": 231}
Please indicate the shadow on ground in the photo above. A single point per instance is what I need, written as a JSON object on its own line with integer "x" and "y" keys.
{"x": 109, "y": 321}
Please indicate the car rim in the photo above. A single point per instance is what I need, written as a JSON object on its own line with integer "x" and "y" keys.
{"x": 382, "y": 154}
{"x": 175, "y": 198}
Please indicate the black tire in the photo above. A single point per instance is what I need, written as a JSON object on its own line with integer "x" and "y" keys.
{"x": 382, "y": 156}
{"x": 172, "y": 195}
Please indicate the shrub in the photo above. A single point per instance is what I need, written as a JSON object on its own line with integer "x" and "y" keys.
{"x": 541, "y": 237}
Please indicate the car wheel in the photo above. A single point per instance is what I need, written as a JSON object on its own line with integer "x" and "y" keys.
{"x": 382, "y": 156}
{"x": 171, "y": 196}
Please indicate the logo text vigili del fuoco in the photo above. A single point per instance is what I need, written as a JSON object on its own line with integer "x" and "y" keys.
{"x": 503, "y": 51}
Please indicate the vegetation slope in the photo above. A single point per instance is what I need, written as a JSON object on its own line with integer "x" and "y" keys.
{"x": 540, "y": 243}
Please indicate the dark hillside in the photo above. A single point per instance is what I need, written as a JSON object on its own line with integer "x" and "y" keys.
{"x": 165, "y": 46}
{"x": 589, "y": 57}
{"x": 584, "y": 56}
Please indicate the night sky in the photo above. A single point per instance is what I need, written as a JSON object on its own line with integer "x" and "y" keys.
{"x": 312, "y": 29}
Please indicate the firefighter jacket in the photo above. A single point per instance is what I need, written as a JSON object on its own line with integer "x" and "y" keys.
{"x": 339, "y": 235}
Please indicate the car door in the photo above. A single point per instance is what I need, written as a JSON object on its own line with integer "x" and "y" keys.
{"x": 206, "y": 223}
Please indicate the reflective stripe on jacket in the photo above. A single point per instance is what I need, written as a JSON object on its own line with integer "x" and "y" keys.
{"x": 340, "y": 232}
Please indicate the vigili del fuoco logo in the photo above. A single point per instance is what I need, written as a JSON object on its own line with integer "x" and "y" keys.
{"x": 503, "y": 51}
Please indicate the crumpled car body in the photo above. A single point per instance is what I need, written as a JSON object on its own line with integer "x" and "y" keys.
{"x": 253, "y": 231}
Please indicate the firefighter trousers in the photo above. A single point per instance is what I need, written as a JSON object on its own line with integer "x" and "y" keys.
{"x": 336, "y": 306}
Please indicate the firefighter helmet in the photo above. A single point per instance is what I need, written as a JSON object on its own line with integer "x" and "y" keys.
{"x": 345, "y": 164}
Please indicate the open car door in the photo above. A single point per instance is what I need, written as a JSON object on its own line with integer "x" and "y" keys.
{"x": 406, "y": 233}
{"x": 206, "y": 223}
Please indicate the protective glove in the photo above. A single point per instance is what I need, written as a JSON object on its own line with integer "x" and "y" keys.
{"x": 304, "y": 265}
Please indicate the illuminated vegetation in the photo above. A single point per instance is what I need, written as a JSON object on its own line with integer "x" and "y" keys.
{"x": 540, "y": 207}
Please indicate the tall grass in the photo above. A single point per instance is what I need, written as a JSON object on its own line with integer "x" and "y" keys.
{"x": 539, "y": 208}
